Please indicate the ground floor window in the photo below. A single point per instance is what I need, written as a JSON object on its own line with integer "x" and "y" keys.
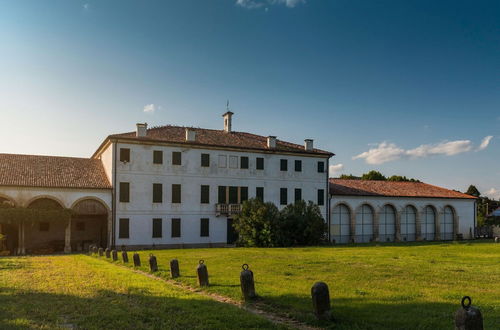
{"x": 428, "y": 223}
{"x": 204, "y": 227}
{"x": 123, "y": 231}
{"x": 446, "y": 224}
{"x": 176, "y": 227}
{"x": 340, "y": 230}
{"x": 364, "y": 224}
{"x": 408, "y": 223}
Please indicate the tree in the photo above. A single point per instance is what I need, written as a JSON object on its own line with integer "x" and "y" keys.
{"x": 472, "y": 190}
{"x": 301, "y": 223}
{"x": 350, "y": 177}
{"x": 373, "y": 175}
{"x": 257, "y": 223}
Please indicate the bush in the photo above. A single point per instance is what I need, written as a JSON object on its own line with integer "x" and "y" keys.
{"x": 262, "y": 225}
{"x": 256, "y": 224}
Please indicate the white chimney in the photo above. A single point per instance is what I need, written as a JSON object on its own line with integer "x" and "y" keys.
{"x": 308, "y": 145}
{"x": 227, "y": 121}
{"x": 271, "y": 142}
{"x": 190, "y": 135}
{"x": 142, "y": 130}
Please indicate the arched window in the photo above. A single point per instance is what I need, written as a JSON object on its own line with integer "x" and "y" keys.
{"x": 428, "y": 223}
{"x": 408, "y": 223}
{"x": 364, "y": 224}
{"x": 447, "y": 224}
{"x": 387, "y": 224}
{"x": 340, "y": 224}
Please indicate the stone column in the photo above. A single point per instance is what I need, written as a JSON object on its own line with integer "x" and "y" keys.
{"x": 397, "y": 235}
{"x": 418, "y": 226}
{"x": 352, "y": 227}
{"x": 437, "y": 225}
{"x": 376, "y": 226}
{"x": 455, "y": 226}
{"x": 23, "y": 234}
{"x": 67, "y": 237}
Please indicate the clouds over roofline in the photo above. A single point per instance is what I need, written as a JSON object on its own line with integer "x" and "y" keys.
{"x": 386, "y": 152}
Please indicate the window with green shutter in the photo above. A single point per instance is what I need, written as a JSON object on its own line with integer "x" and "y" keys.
{"x": 222, "y": 195}
{"x": 157, "y": 157}
{"x": 176, "y": 193}
{"x": 205, "y": 194}
{"x": 205, "y": 160}
{"x": 176, "y": 227}
{"x": 123, "y": 230}
{"x": 244, "y": 162}
{"x": 157, "y": 193}
{"x": 283, "y": 196}
{"x": 124, "y": 192}
{"x": 176, "y": 158}
{"x": 204, "y": 227}
{"x": 157, "y": 228}
{"x": 298, "y": 194}
{"x": 259, "y": 193}
{"x": 259, "y": 163}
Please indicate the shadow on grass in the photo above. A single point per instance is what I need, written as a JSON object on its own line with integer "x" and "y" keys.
{"x": 133, "y": 309}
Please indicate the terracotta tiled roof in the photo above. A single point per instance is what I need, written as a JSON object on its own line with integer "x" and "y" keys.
{"x": 391, "y": 189}
{"x": 52, "y": 172}
{"x": 216, "y": 138}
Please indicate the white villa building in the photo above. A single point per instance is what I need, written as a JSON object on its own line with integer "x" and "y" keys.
{"x": 174, "y": 186}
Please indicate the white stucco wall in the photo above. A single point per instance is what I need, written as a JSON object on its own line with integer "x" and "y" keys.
{"x": 464, "y": 208}
{"x": 141, "y": 173}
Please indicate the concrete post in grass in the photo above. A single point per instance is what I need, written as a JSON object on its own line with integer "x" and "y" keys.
{"x": 153, "y": 265}
{"x": 202, "y": 272}
{"x": 174, "y": 268}
{"x": 468, "y": 317}
{"x": 101, "y": 252}
{"x": 114, "y": 254}
{"x": 125, "y": 256}
{"x": 137, "y": 260}
{"x": 108, "y": 253}
{"x": 321, "y": 301}
{"x": 247, "y": 283}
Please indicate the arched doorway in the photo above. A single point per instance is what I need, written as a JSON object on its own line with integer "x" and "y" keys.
{"x": 9, "y": 231}
{"x": 446, "y": 223}
{"x": 408, "y": 223}
{"x": 428, "y": 224}
{"x": 364, "y": 224}
{"x": 387, "y": 224}
{"x": 89, "y": 224}
{"x": 43, "y": 233}
{"x": 340, "y": 230}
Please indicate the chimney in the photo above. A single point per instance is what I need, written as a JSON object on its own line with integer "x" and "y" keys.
{"x": 142, "y": 130}
{"x": 190, "y": 135}
{"x": 227, "y": 121}
{"x": 308, "y": 145}
{"x": 271, "y": 142}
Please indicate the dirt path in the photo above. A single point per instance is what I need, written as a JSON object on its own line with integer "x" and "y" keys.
{"x": 251, "y": 308}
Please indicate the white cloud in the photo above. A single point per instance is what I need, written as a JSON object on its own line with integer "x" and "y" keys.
{"x": 86, "y": 6}
{"x": 484, "y": 144}
{"x": 149, "y": 108}
{"x": 386, "y": 152}
{"x": 335, "y": 169}
{"x": 493, "y": 193}
{"x": 255, "y": 4}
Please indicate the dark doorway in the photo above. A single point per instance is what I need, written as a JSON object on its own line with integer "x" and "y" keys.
{"x": 11, "y": 234}
{"x": 232, "y": 235}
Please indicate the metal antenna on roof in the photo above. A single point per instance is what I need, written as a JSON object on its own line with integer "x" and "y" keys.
{"x": 227, "y": 105}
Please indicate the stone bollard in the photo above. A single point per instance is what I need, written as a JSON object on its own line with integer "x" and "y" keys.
{"x": 125, "y": 256}
{"x": 321, "y": 300}
{"x": 108, "y": 253}
{"x": 468, "y": 317}
{"x": 91, "y": 250}
{"x": 95, "y": 249}
{"x": 114, "y": 254}
{"x": 101, "y": 252}
{"x": 137, "y": 260}
{"x": 174, "y": 268}
{"x": 247, "y": 283}
{"x": 202, "y": 273}
{"x": 497, "y": 239}
{"x": 153, "y": 265}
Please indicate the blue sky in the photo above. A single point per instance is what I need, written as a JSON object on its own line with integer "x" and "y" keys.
{"x": 404, "y": 87}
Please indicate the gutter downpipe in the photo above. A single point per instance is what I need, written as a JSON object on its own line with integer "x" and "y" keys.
{"x": 328, "y": 198}
{"x": 113, "y": 198}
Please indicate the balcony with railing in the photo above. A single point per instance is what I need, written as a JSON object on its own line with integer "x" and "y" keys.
{"x": 227, "y": 209}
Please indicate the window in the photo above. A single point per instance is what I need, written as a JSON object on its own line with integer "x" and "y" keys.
{"x": 260, "y": 163}
{"x": 298, "y": 166}
{"x": 233, "y": 195}
{"x": 80, "y": 226}
{"x": 205, "y": 160}
{"x": 44, "y": 226}
{"x": 222, "y": 161}
{"x": 244, "y": 162}
{"x": 176, "y": 158}
{"x": 204, "y": 227}
{"x": 233, "y": 162}
{"x": 321, "y": 197}
{"x": 283, "y": 196}
{"x": 259, "y": 193}
{"x": 341, "y": 229}
{"x": 157, "y": 228}
{"x": 124, "y": 192}
{"x": 157, "y": 157}
{"x": 243, "y": 194}
{"x": 387, "y": 224}
{"x": 157, "y": 193}
{"x": 123, "y": 230}
{"x": 222, "y": 195}
{"x": 321, "y": 167}
{"x": 298, "y": 194}
{"x": 364, "y": 224}
{"x": 283, "y": 165}
{"x": 205, "y": 194}
{"x": 176, "y": 227}
{"x": 125, "y": 155}
{"x": 176, "y": 193}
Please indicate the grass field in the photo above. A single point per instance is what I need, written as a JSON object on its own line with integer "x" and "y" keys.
{"x": 398, "y": 286}
{"x": 77, "y": 291}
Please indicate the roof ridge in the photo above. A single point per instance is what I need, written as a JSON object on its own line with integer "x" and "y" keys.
{"x": 45, "y": 156}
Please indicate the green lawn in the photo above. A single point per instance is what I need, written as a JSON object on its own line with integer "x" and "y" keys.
{"x": 77, "y": 291}
{"x": 398, "y": 286}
